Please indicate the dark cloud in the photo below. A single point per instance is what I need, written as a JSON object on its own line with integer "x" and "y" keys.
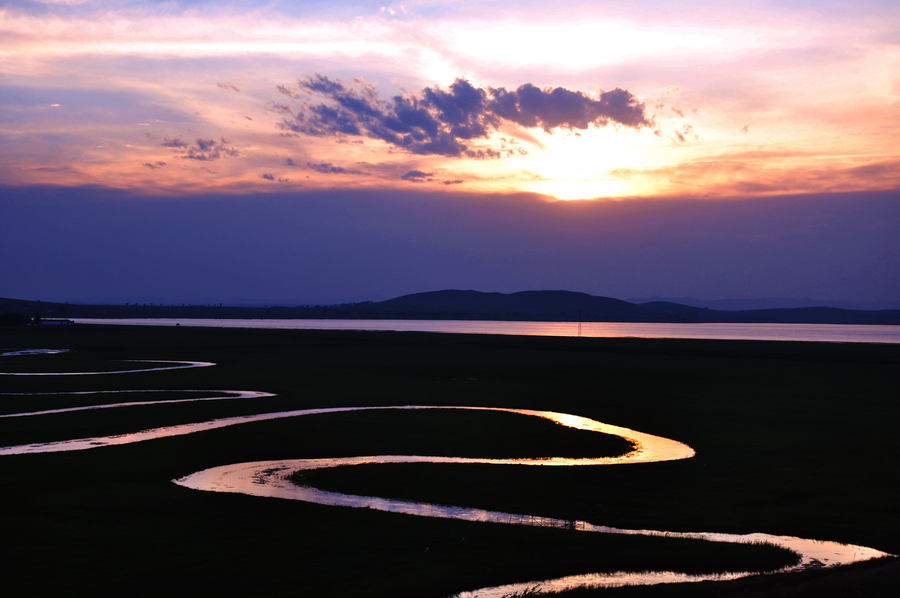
{"x": 155, "y": 165}
{"x": 173, "y": 142}
{"x": 228, "y": 86}
{"x": 204, "y": 149}
{"x": 443, "y": 122}
{"x": 271, "y": 177}
{"x": 416, "y": 176}
{"x": 329, "y": 168}
{"x": 483, "y": 154}
{"x": 55, "y": 169}
{"x": 282, "y": 109}
{"x": 286, "y": 91}
{"x": 323, "y": 84}
{"x": 548, "y": 108}
{"x": 454, "y": 182}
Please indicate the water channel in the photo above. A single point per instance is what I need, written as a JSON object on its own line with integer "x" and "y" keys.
{"x": 272, "y": 479}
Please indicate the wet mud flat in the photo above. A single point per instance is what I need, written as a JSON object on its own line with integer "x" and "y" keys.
{"x": 801, "y": 408}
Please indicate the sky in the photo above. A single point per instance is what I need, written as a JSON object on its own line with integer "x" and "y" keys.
{"x": 501, "y": 114}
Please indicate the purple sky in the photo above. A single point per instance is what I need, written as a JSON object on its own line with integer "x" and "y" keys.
{"x": 321, "y": 151}
{"x": 85, "y": 244}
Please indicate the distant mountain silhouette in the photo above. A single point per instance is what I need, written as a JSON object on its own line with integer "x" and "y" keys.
{"x": 737, "y": 304}
{"x": 471, "y": 305}
{"x": 524, "y": 305}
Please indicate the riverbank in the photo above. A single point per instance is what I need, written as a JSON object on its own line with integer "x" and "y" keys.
{"x": 793, "y": 438}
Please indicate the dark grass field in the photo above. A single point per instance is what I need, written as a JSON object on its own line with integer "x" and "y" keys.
{"x": 791, "y": 438}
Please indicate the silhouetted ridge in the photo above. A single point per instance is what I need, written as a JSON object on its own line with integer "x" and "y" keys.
{"x": 464, "y": 305}
{"x": 524, "y": 305}
{"x": 668, "y": 307}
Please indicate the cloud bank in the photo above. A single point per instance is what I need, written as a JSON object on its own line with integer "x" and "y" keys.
{"x": 444, "y": 122}
{"x": 204, "y": 150}
{"x": 329, "y": 168}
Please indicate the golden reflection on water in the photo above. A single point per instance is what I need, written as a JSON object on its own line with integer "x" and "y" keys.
{"x": 864, "y": 333}
{"x": 565, "y": 419}
{"x": 271, "y": 479}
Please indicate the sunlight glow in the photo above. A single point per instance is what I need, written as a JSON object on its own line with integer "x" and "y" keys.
{"x": 579, "y": 45}
{"x": 749, "y": 103}
{"x": 582, "y": 189}
{"x": 579, "y": 164}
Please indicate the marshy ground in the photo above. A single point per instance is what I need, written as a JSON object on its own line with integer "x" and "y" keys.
{"x": 791, "y": 438}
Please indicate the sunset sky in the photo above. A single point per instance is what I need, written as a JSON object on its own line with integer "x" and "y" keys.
{"x": 642, "y": 102}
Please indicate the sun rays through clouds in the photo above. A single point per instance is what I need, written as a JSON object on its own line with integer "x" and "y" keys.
{"x": 571, "y": 100}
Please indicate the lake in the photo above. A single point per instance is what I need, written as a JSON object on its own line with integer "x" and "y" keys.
{"x": 839, "y": 333}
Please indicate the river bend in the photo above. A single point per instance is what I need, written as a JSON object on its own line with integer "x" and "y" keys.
{"x": 272, "y": 479}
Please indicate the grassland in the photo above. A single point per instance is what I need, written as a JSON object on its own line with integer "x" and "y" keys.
{"x": 791, "y": 438}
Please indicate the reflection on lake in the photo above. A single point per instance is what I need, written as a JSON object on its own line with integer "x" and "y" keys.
{"x": 842, "y": 333}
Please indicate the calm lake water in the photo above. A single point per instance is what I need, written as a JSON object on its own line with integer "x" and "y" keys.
{"x": 841, "y": 333}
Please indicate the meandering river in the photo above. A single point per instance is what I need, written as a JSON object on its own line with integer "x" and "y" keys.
{"x": 272, "y": 479}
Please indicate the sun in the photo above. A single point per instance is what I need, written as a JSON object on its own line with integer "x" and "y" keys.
{"x": 582, "y": 189}
{"x": 587, "y": 164}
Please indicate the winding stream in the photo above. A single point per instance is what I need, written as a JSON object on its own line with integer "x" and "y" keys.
{"x": 178, "y": 365}
{"x": 271, "y": 479}
{"x": 33, "y": 352}
{"x": 225, "y": 395}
